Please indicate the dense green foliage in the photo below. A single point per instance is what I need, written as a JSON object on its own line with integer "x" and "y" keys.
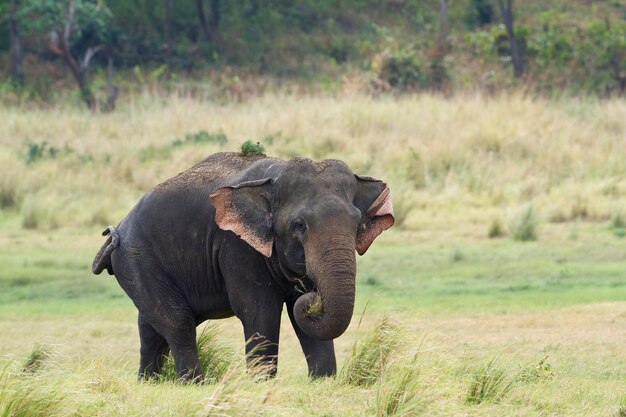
{"x": 569, "y": 46}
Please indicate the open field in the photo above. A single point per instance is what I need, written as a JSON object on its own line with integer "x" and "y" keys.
{"x": 551, "y": 312}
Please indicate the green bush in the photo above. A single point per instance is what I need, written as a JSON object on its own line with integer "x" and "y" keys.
{"x": 400, "y": 70}
{"x": 496, "y": 229}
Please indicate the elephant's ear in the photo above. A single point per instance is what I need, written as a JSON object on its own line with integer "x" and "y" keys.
{"x": 245, "y": 209}
{"x": 373, "y": 198}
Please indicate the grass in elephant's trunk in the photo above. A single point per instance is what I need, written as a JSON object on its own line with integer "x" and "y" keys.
{"x": 315, "y": 307}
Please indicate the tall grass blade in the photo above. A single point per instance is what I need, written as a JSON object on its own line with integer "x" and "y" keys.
{"x": 370, "y": 357}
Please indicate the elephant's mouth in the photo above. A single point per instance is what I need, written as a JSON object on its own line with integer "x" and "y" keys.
{"x": 302, "y": 284}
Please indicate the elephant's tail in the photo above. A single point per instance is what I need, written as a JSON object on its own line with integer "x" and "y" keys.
{"x": 102, "y": 260}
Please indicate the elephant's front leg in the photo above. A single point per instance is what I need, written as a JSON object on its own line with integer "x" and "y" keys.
{"x": 256, "y": 300}
{"x": 262, "y": 331}
{"x": 320, "y": 354}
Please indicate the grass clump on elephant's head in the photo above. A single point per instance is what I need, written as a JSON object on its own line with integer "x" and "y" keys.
{"x": 251, "y": 148}
{"x": 315, "y": 307}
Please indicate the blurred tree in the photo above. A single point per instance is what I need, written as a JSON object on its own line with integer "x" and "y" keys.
{"x": 438, "y": 71}
{"x": 75, "y": 29}
{"x": 202, "y": 19}
{"x": 215, "y": 19}
{"x": 442, "y": 38}
{"x": 169, "y": 41}
{"x": 507, "y": 19}
{"x": 15, "y": 46}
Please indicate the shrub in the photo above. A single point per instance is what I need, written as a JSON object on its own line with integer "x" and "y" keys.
{"x": 370, "y": 357}
{"x": 496, "y": 229}
{"x": 32, "y": 214}
{"x": 538, "y": 372}
{"x": 8, "y": 193}
{"x": 400, "y": 70}
{"x": 490, "y": 383}
{"x": 524, "y": 224}
{"x": 618, "y": 220}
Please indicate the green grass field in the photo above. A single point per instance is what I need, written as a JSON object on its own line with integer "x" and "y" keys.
{"x": 485, "y": 327}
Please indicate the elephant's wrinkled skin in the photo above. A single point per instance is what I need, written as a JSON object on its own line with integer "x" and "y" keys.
{"x": 242, "y": 235}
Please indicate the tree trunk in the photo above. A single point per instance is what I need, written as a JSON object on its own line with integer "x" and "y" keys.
{"x": 620, "y": 78}
{"x": 206, "y": 35}
{"x": 507, "y": 19}
{"x": 60, "y": 44}
{"x": 215, "y": 19}
{"x": 442, "y": 39}
{"x": 169, "y": 43}
{"x": 15, "y": 47}
{"x": 112, "y": 90}
{"x": 81, "y": 79}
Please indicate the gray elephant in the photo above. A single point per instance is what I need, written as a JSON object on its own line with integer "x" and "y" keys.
{"x": 244, "y": 235}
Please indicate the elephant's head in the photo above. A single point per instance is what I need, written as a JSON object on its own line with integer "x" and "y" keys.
{"x": 310, "y": 217}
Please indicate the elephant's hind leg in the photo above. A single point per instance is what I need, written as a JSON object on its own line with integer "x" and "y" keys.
{"x": 154, "y": 347}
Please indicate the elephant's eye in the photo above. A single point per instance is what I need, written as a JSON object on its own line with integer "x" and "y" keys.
{"x": 299, "y": 226}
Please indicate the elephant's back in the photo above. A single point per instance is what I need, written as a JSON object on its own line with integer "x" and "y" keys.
{"x": 211, "y": 171}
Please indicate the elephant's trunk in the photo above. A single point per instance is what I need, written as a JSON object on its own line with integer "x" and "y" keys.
{"x": 326, "y": 312}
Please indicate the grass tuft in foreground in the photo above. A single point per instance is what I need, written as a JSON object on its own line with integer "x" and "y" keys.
{"x": 36, "y": 360}
{"x": 398, "y": 396}
{"x": 22, "y": 399}
{"x": 370, "y": 357}
{"x": 621, "y": 411}
{"x": 215, "y": 358}
{"x": 490, "y": 383}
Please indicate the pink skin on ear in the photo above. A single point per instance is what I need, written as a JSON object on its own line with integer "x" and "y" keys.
{"x": 381, "y": 219}
{"x": 227, "y": 218}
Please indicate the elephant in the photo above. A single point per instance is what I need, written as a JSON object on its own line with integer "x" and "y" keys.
{"x": 245, "y": 235}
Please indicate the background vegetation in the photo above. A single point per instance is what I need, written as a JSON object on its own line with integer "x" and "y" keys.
{"x": 231, "y": 49}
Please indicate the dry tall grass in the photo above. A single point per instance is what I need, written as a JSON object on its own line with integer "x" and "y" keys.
{"x": 468, "y": 158}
